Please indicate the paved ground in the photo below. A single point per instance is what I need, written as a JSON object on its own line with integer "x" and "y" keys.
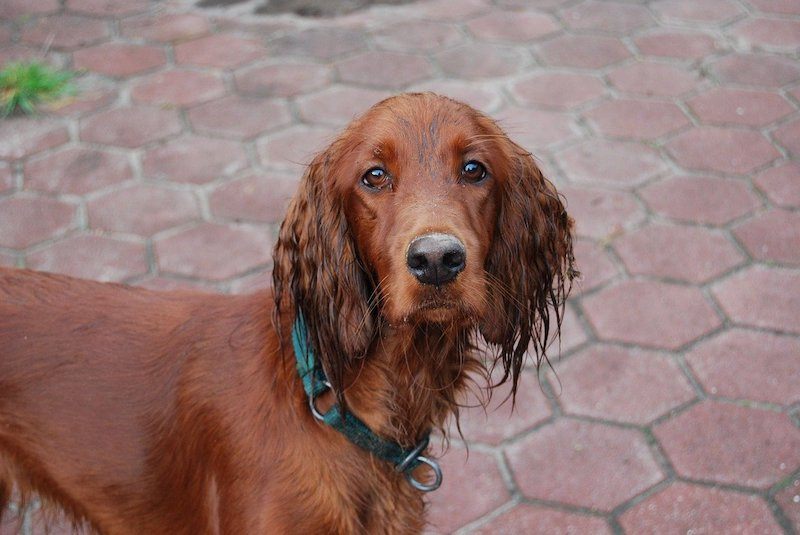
{"x": 671, "y": 126}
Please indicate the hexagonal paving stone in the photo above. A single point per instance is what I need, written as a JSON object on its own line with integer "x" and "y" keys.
{"x": 692, "y": 254}
{"x": 572, "y": 335}
{"x": 616, "y": 383}
{"x": 671, "y": 43}
{"x": 536, "y": 129}
{"x": 557, "y": 90}
{"x": 513, "y": 26}
{"x": 694, "y": 509}
{"x": 119, "y": 59}
{"x": 117, "y": 8}
{"x": 480, "y": 60}
{"x": 602, "y": 161}
{"x": 776, "y": 6}
{"x": 64, "y": 32}
{"x": 178, "y": 87}
{"x": 93, "y": 92}
{"x": 637, "y": 119}
{"x": 28, "y": 220}
{"x": 214, "y": 252}
{"x": 772, "y": 236}
{"x": 194, "y": 159}
{"x": 390, "y": 70}
{"x": 422, "y": 35}
{"x": 282, "y": 79}
{"x": 788, "y": 135}
{"x": 708, "y": 11}
{"x": 653, "y": 314}
{"x": 254, "y": 198}
{"x": 8, "y": 261}
{"x": 451, "y": 507}
{"x": 219, "y": 50}
{"x": 6, "y": 177}
{"x": 601, "y": 213}
{"x": 130, "y": 127}
{"x": 92, "y": 257}
{"x": 726, "y": 150}
{"x": 583, "y": 464}
{"x": 337, "y": 105}
{"x": 239, "y": 117}
{"x": 595, "y": 266}
{"x": 653, "y": 79}
{"x": 583, "y": 51}
{"x": 731, "y": 444}
{"x": 751, "y": 365}
{"x": 165, "y": 27}
{"x": 776, "y": 34}
{"x": 534, "y": 519}
{"x": 724, "y": 106}
{"x": 612, "y": 17}
{"x": 781, "y": 184}
{"x": 295, "y": 147}
{"x": 21, "y": 136}
{"x": 761, "y": 70}
{"x": 12, "y": 9}
{"x": 789, "y": 500}
{"x": 76, "y": 170}
{"x": 762, "y": 297}
{"x": 484, "y": 98}
{"x": 708, "y": 200}
{"x": 323, "y": 43}
{"x": 142, "y": 209}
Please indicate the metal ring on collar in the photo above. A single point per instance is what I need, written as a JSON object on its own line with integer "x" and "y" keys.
{"x": 437, "y": 472}
{"x": 312, "y": 402}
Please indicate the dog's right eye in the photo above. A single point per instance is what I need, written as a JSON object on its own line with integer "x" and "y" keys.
{"x": 376, "y": 178}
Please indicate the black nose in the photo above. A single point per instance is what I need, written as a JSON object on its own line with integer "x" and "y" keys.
{"x": 436, "y": 258}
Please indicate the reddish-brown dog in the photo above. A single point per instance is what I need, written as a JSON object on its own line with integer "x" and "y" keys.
{"x": 419, "y": 230}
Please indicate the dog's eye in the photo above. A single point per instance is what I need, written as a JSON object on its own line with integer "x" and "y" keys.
{"x": 376, "y": 178}
{"x": 473, "y": 172}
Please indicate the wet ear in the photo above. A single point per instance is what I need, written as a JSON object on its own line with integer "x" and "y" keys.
{"x": 317, "y": 271}
{"x": 530, "y": 264}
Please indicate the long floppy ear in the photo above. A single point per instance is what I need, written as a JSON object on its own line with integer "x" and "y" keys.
{"x": 530, "y": 265}
{"x": 317, "y": 272}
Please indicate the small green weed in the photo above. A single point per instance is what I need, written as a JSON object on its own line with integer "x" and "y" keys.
{"x": 23, "y": 85}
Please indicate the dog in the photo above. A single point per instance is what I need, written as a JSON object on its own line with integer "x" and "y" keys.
{"x": 420, "y": 233}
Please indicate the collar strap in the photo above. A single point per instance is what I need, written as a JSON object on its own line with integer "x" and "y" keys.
{"x": 316, "y": 383}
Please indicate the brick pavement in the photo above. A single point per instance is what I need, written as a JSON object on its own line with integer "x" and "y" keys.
{"x": 672, "y": 127}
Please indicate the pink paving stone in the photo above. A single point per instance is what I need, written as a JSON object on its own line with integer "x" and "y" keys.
{"x": 789, "y": 500}
{"x": 606, "y": 16}
{"x": 194, "y": 159}
{"x": 6, "y": 33}
{"x": 25, "y": 221}
{"x": 454, "y": 10}
{"x": 514, "y": 26}
{"x": 13, "y": 9}
{"x": 64, "y": 32}
{"x": 8, "y": 261}
{"x": 219, "y": 50}
{"x": 337, "y": 105}
{"x": 557, "y": 90}
{"x": 583, "y": 464}
{"x": 6, "y": 177}
{"x": 484, "y": 98}
{"x": 178, "y": 87}
{"x": 166, "y": 27}
{"x": 653, "y": 79}
{"x": 93, "y": 92}
{"x": 637, "y": 119}
{"x": 750, "y": 365}
{"x": 537, "y": 520}
{"x": 480, "y": 60}
{"x": 726, "y": 150}
{"x": 707, "y": 200}
{"x": 91, "y": 256}
{"x": 707, "y": 11}
{"x": 213, "y": 252}
{"x": 536, "y": 129}
{"x": 788, "y": 135}
{"x": 781, "y": 184}
{"x": 390, "y": 70}
{"x": 22, "y": 136}
{"x": 15, "y": 52}
{"x": 595, "y": 266}
{"x": 239, "y": 117}
{"x": 451, "y": 507}
{"x": 762, "y": 70}
{"x": 252, "y": 283}
{"x": 295, "y": 147}
{"x": 76, "y": 170}
{"x": 601, "y": 213}
{"x": 789, "y": 7}
{"x": 731, "y": 444}
{"x": 772, "y": 236}
{"x": 692, "y": 254}
{"x": 603, "y": 161}
{"x": 322, "y": 43}
{"x": 130, "y": 127}
{"x": 724, "y": 106}
{"x": 664, "y": 42}
{"x": 583, "y": 51}
{"x": 163, "y": 283}
{"x": 142, "y": 209}
{"x": 616, "y": 383}
{"x": 119, "y": 8}
{"x": 684, "y": 508}
{"x": 422, "y": 35}
{"x": 261, "y": 198}
{"x": 572, "y": 335}
{"x": 649, "y": 313}
{"x": 762, "y": 297}
{"x": 119, "y": 59}
{"x": 780, "y": 34}
{"x": 282, "y": 79}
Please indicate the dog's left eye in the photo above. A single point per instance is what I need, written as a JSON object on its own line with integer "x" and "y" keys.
{"x": 473, "y": 171}
{"x": 376, "y": 178}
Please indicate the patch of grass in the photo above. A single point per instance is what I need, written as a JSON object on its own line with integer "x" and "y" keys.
{"x": 24, "y": 85}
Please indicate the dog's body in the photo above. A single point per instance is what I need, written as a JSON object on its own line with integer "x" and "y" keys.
{"x": 145, "y": 412}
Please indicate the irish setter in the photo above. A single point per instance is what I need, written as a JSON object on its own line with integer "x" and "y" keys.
{"x": 420, "y": 232}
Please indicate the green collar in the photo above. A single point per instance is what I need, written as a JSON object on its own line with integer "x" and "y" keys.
{"x": 315, "y": 383}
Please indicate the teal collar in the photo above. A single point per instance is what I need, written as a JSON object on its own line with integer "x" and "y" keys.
{"x": 315, "y": 383}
